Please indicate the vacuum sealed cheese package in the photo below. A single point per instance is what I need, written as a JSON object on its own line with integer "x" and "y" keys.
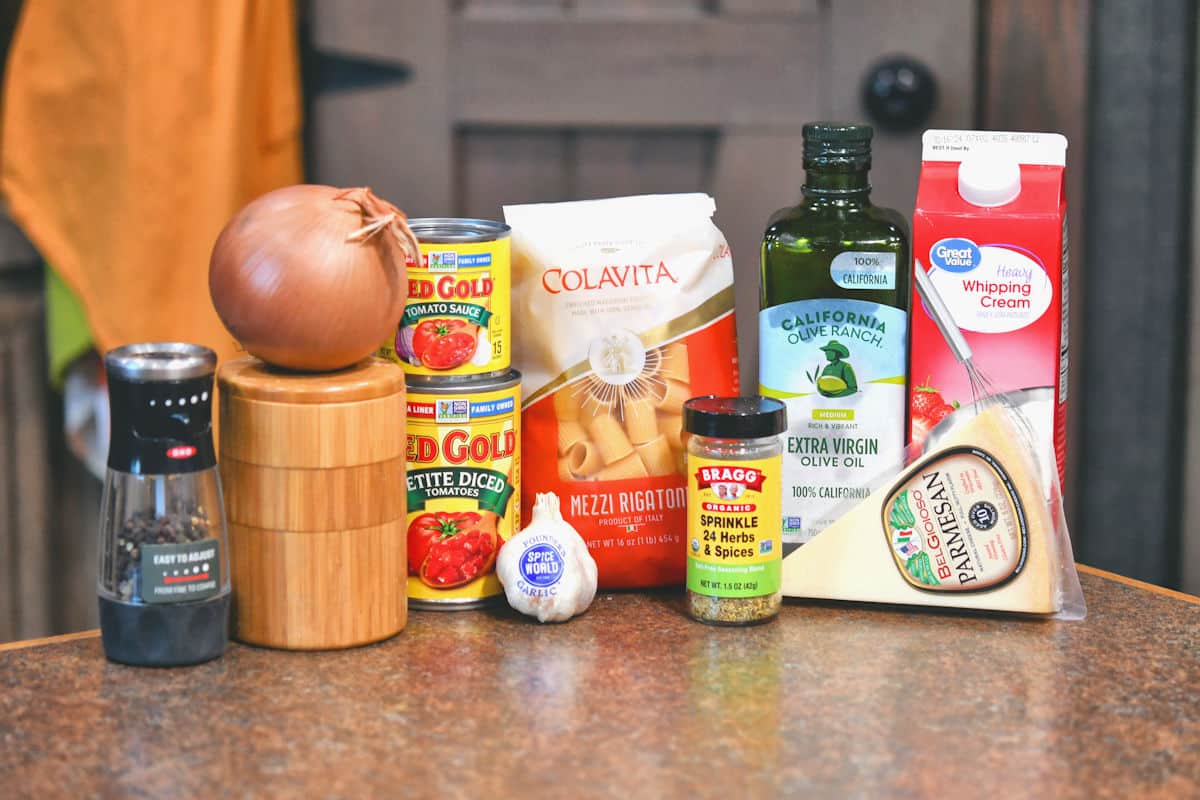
{"x": 974, "y": 521}
{"x": 622, "y": 310}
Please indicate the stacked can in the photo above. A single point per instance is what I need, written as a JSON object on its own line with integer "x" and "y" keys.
{"x": 464, "y": 412}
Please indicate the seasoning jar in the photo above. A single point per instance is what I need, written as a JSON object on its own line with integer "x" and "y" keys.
{"x": 734, "y": 466}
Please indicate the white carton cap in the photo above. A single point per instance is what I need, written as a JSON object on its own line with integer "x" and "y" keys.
{"x": 990, "y": 181}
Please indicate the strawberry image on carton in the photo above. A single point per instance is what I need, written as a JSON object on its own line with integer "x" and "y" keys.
{"x": 990, "y": 230}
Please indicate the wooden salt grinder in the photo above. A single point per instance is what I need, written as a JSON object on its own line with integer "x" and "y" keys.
{"x": 312, "y": 468}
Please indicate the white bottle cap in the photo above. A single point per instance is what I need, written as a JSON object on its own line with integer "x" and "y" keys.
{"x": 989, "y": 181}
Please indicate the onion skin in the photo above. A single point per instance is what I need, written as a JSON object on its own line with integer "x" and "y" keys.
{"x": 312, "y": 278}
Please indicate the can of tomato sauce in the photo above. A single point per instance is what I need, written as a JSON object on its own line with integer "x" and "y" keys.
{"x": 457, "y": 320}
{"x": 463, "y": 480}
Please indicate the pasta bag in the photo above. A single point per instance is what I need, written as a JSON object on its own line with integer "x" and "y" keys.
{"x": 623, "y": 309}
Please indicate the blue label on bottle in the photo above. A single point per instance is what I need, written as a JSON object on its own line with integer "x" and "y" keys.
{"x": 864, "y": 270}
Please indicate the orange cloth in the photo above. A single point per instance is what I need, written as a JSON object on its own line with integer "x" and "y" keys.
{"x": 132, "y": 131}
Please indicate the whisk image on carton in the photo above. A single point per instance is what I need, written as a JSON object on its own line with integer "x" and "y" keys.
{"x": 984, "y": 390}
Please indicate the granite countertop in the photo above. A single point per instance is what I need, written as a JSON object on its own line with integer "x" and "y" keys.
{"x": 635, "y": 700}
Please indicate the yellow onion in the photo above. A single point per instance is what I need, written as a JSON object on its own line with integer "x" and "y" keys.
{"x": 312, "y": 277}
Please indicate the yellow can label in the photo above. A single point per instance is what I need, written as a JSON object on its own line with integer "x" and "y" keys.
{"x": 734, "y": 536}
{"x": 457, "y": 320}
{"x": 463, "y": 483}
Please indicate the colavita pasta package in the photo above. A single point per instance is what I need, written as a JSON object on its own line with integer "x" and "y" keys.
{"x": 622, "y": 310}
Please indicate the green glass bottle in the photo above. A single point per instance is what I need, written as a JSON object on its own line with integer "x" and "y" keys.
{"x": 833, "y": 331}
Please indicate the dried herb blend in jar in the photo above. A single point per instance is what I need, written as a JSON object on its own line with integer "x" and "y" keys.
{"x": 734, "y": 546}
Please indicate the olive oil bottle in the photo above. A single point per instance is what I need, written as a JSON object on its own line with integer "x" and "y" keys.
{"x": 833, "y": 331}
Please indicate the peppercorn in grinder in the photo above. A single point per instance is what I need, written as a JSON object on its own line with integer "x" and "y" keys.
{"x": 164, "y": 570}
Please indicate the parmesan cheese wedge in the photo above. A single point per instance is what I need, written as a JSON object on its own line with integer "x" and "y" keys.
{"x": 966, "y": 526}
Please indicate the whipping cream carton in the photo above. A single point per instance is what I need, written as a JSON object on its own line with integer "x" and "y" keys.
{"x": 990, "y": 230}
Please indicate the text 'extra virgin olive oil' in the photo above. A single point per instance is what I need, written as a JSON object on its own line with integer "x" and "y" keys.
{"x": 833, "y": 331}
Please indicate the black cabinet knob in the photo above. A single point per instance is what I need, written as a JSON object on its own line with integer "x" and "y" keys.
{"x": 899, "y": 94}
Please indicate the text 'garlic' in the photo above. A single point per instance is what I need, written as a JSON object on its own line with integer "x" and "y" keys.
{"x": 546, "y": 569}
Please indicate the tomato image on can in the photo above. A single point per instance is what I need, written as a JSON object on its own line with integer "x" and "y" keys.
{"x": 451, "y": 549}
{"x": 456, "y": 323}
{"x": 444, "y": 343}
{"x": 463, "y": 483}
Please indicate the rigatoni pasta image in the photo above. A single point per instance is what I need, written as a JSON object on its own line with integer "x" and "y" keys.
{"x": 622, "y": 310}
{"x": 600, "y": 426}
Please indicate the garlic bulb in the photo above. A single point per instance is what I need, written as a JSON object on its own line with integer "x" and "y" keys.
{"x": 546, "y": 569}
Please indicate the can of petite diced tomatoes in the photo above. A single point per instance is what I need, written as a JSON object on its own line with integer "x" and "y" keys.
{"x": 463, "y": 482}
{"x": 457, "y": 320}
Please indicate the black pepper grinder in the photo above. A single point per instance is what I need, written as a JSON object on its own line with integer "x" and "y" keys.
{"x": 164, "y": 570}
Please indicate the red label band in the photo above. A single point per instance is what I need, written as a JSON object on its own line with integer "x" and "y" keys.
{"x": 421, "y": 410}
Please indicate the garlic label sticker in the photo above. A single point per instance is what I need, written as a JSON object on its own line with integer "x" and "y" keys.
{"x": 956, "y": 524}
{"x": 543, "y": 561}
